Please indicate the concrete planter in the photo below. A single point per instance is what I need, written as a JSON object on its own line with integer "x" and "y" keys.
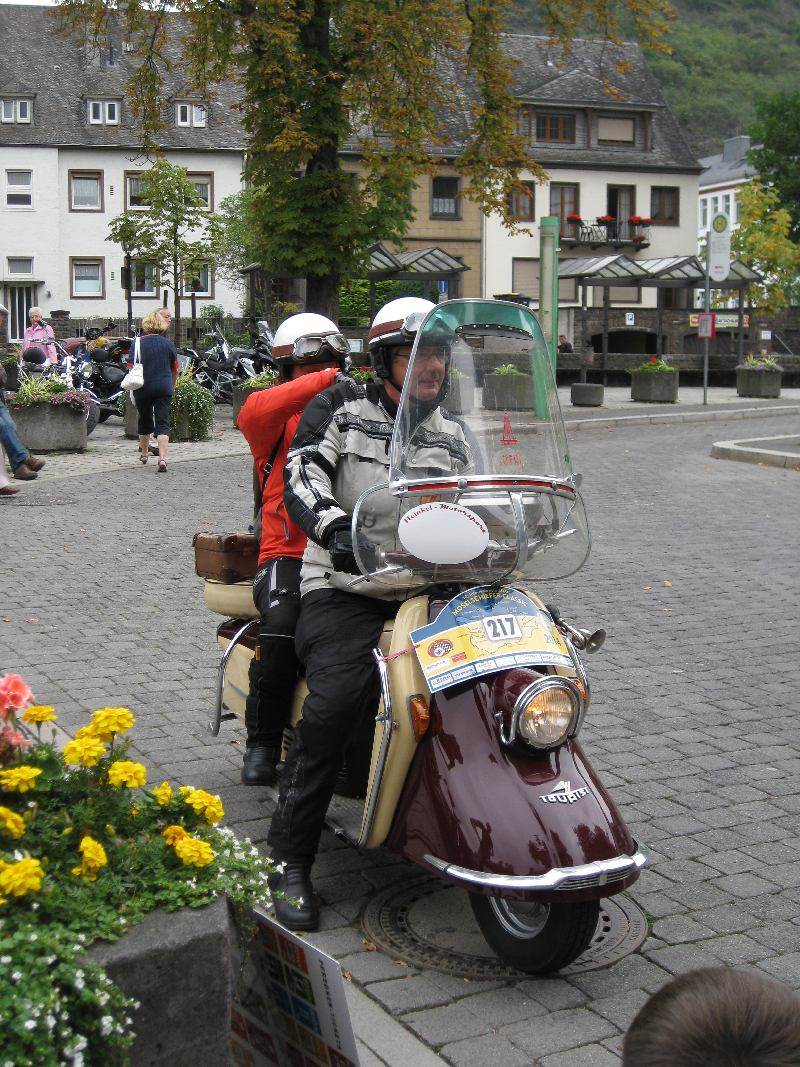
{"x": 49, "y": 427}
{"x": 508, "y": 392}
{"x": 763, "y": 383}
{"x": 654, "y": 387}
{"x": 238, "y": 397}
{"x": 178, "y": 965}
{"x": 460, "y": 397}
{"x": 586, "y": 395}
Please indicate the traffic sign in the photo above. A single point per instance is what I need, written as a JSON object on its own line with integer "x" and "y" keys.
{"x": 719, "y": 247}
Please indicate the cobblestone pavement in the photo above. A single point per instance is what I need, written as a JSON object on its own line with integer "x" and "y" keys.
{"x": 693, "y": 572}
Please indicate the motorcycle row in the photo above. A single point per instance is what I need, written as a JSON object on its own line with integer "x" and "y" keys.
{"x": 96, "y": 363}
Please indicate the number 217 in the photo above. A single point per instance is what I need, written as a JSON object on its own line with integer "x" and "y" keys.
{"x": 501, "y": 627}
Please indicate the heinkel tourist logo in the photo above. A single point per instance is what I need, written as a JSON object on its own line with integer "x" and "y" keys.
{"x": 562, "y": 794}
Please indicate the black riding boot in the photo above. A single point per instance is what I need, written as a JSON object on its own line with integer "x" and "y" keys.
{"x": 260, "y": 765}
{"x": 299, "y": 911}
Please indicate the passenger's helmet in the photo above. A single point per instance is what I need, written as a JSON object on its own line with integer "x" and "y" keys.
{"x": 395, "y": 324}
{"x": 308, "y": 338}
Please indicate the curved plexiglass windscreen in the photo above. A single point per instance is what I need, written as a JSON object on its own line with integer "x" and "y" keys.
{"x": 481, "y": 486}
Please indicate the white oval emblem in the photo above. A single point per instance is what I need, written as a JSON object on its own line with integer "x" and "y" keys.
{"x": 443, "y": 533}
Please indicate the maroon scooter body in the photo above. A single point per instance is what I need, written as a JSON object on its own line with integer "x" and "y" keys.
{"x": 471, "y": 801}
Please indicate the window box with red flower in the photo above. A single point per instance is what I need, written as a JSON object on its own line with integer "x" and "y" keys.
{"x": 605, "y": 219}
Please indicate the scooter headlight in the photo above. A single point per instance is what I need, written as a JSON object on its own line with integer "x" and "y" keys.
{"x": 547, "y": 712}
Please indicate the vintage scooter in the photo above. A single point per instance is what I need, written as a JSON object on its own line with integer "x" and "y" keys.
{"x": 476, "y": 772}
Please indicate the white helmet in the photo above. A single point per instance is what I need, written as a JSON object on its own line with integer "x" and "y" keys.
{"x": 308, "y": 338}
{"x": 395, "y": 324}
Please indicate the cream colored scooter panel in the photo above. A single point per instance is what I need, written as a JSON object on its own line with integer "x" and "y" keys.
{"x": 405, "y": 679}
{"x": 237, "y": 683}
{"x": 232, "y": 600}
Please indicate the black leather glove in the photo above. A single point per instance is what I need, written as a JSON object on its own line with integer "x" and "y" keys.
{"x": 340, "y": 547}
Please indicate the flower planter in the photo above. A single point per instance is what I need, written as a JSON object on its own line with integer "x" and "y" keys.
{"x": 178, "y": 965}
{"x": 763, "y": 383}
{"x": 238, "y": 397}
{"x": 586, "y": 395}
{"x": 47, "y": 427}
{"x": 508, "y": 392}
{"x": 460, "y": 397}
{"x": 181, "y": 431}
{"x": 654, "y": 387}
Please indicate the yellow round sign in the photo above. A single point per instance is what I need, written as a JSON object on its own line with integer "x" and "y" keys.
{"x": 720, "y": 223}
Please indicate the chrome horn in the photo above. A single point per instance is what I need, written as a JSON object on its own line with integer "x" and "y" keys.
{"x": 585, "y": 640}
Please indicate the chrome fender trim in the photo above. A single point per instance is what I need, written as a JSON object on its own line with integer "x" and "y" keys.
{"x": 219, "y": 715}
{"x": 583, "y": 876}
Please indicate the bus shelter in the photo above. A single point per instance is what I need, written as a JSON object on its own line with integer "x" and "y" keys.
{"x": 415, "y": 264}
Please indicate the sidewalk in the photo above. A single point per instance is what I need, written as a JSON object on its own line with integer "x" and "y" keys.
{"x": 109, "y": 450}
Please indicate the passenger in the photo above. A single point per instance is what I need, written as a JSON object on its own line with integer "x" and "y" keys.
{"x": 309, "y": 352}
{"x": 716, "y": 1017}
{"x": 339, "y": 451}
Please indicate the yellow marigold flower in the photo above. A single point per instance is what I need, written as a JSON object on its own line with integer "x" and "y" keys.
{"x": 205, "y": 804}
{"x": 22, "y": 877}
{"x": 93, "y": 858}
{"x": 109, "y": 721}
{"x": 11, "y": 822}
{"x": 39, "y": 713}
{"x": 163, "y": 793}
{"x": 19, "y": 779}
{"x": 125, "y": 772}
{"x": 173, "y": 833}
{"x": 192, "y": 852}
{"x": 84, "y": 751}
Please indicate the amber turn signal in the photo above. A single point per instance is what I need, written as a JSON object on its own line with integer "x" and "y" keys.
{"x": 420, "y": 714}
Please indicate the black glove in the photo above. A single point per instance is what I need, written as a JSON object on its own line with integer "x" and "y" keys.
{"x": 340, "y": 547}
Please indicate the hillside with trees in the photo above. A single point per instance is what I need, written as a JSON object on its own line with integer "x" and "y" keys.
{"x": 726, "y": 55}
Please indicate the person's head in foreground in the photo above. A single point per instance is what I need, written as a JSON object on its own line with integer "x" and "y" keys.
{"x": 716, "y": 1017}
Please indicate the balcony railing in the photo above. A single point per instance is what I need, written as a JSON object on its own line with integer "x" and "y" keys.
{"x": 598, "y": 234}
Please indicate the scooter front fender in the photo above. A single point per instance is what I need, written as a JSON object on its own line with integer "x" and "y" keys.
{"x": 507, "y": 820}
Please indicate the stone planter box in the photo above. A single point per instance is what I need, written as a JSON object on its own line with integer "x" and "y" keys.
{"x": 179, "y": 966}
{"x": 763, "y": 383}
{"x": 238, "y": 397}
{"x": 654, "y": 387}
{"x": 460, "y": 397}
{"x": 179, "y": 429}
{"x": 586, "y": 395}
{"x": 49, "y": 427}
{"x": 508, "y": 392}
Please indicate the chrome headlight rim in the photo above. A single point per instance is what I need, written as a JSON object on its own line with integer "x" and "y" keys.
{"x": 543, "y": 685}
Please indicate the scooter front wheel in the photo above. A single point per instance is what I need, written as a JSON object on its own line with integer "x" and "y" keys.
{"x": 536, "y": 938}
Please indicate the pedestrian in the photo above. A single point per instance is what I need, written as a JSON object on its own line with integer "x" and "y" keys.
{"x": 340, "y": 450}
{"x": 716, "y": 1017}
{"x": 308, "y": 351}
{"x": 23, "y": 464}
{"x": 153, "y": 399}
{"x": 35, "y": 344}
{"x": 563, "y": 343}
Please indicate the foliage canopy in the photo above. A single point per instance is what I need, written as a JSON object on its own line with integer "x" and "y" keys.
{"x": 777, "y": 129}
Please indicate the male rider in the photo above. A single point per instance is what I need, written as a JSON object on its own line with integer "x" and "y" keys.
{"x": 309, "y": 351}
{"x": 340, "y": 450}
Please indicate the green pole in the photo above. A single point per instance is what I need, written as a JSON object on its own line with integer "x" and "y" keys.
{"x": 548, "y": 305}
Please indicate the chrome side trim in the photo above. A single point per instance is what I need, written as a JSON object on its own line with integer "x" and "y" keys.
{"x": 583, "y": 876}
{"x": 576, "y": 659}
{"x": 215, "y": 723}
{"x": 387, "y": 720}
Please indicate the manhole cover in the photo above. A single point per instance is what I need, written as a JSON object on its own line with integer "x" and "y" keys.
{"x": 428, "y": 923}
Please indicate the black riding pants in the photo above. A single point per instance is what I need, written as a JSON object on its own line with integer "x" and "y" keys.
{"x": 336, "y": 634}
{"x": 273, "y": 674}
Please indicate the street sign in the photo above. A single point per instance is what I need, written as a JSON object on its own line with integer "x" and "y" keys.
{"x": 706, "y": 324}
{"x": 719, "y": 247}
{"x": 722, "y": 321}
{"x": 630, "y": 318}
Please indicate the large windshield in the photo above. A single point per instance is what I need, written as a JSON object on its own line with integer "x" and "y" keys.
{"x": 481, "y": 488}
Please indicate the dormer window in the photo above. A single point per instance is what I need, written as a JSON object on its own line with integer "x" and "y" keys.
{"x": 615, "y": 129}
{"x": 190, "y": 114}
{"x": 103, "y": 112}
{"x": 16, "y": 110}
{"x": 559, "y": 128}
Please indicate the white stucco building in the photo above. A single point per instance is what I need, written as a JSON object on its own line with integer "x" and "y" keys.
{"x": 69, "y": 162}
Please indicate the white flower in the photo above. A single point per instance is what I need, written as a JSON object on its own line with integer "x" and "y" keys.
{"x": 34, "y": 937}
{"x": 30, "y": 1024}
{"x": 16, "y": 976}
{"x": 106, "y": 1025}
{"x": 50, "y": 1021}
{"x": 102, "y": 999}
{"x": 5, "y": 959}
{"x": 79, "y": 983}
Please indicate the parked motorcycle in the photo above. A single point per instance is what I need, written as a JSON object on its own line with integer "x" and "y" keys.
{"x": 109, "y": 356}
{"x": 74, "y": 369}
{"x": 221, "y": 367}
{"x": 475, "y": 771}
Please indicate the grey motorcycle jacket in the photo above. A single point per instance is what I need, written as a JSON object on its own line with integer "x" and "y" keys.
{"x": 340, "y": 450}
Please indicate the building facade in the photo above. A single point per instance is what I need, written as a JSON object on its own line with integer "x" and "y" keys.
{"x": 722, "y": 177}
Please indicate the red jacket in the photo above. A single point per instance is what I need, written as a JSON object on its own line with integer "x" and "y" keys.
{"x": 266, "y": 418}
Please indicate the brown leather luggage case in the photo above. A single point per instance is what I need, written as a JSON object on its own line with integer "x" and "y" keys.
{"x": 225, "y": 557}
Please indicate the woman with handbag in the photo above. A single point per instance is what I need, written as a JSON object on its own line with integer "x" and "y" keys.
{"x": 159, "y": 362}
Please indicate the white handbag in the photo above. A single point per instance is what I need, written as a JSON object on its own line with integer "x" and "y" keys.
{"x": 134, "y": 379}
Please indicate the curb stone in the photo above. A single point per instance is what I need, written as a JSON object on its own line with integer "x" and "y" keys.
{"x": 769, "y": 457}
{"x": 679, "y": 418}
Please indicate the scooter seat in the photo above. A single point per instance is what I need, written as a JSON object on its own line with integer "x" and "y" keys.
{"x": 234, "y": 600}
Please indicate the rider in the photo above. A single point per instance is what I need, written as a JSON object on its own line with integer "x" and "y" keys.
{"x": 341, "y": 449}
{"x": 309, "y": 351}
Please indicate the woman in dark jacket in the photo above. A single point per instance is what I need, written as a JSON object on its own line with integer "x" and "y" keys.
{"x": 160, "y": 365}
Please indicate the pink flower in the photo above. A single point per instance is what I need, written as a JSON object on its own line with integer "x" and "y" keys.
{"x": 14, "y": 693}
{"x": 14, "y": 738}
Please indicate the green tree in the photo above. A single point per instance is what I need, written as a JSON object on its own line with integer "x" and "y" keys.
{"x": 763, "y": 242}
{"x": 777, "y": 128}
{"x": 176, "y": 232}
{"x": 402, "y": 78}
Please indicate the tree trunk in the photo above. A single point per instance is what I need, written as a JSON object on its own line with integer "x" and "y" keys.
{"x": 322, "y": 294}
